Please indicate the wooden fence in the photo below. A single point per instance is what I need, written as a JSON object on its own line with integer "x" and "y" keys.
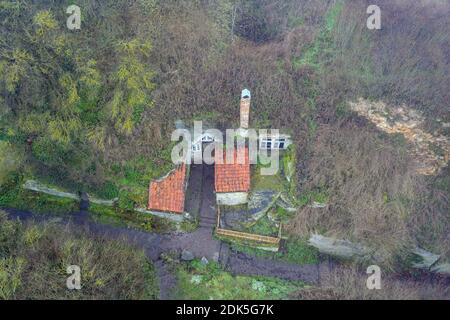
{"x": 248, "y": 236}
{"x": 272, "y": 241}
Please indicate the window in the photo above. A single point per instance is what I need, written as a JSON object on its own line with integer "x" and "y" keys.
{"x": 207, "y": 138}
{"x": 196, "y": 147}
{"x": 269, "y": 143}
{"x": 266, "y": 143}
{"x": 280, "y": 143}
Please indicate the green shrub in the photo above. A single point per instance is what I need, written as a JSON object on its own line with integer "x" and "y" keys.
{"x": 298, "y": 251}
{"x": 132, "y": 219}
{"x": 197, "y": 281}
{"x": 125, "y": 200}
{"x": 264, "y": 227}
{"x": 108, "y": 190}
{"x": 50, "y": 152}
{"x": 12, "y": 195}
{"x": 11, "y": 269}
{"x": 189, "y": 226}
{"x": 10, "y": 160}
{"x": 34, "y": 258}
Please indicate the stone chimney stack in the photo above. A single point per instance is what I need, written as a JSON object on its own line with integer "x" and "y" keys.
{"x": 245, "y": 108}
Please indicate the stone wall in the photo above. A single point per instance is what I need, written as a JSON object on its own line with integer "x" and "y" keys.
{"x": 232, "y": 198}
{"x": 165, "y": 215}
{"x": 348, "y": 250}
{"x": 39, "y": 187}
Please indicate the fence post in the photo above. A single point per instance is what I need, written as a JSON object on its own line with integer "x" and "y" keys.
{"x": 218, "y": 216}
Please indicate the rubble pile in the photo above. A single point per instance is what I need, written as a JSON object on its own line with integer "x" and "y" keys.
{"x": 430, "y": 150}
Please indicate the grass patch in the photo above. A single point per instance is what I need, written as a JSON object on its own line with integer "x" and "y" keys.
{"x": 131, "y": 219}
{"x": 296, "y": 251}
{"x": 322, "y": 48}
{"x": 129, "y": 180}
{"x": 299, "y": 252}
{"x": 203, "y": 282}
{"x": 276, "y": 182}
{"x": 308, "y": 197}
{"x": 34, "y": 258}
{"x": 189, "y": 226}
{"x": 282, "y": 215}
{"x": 12, "y": 195}
{"x": 262, "y": 182}
{"x": 43, "y": 203}
{"x": 264, "y": 227}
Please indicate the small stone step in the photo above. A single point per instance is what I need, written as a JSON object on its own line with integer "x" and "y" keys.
{"x": 207, "y": 217}
{"x": 207, "y": 222}
{"x": 206, "y": 225}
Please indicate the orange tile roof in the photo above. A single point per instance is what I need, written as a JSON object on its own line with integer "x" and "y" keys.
{"x": 168, "y": 193}
{"x": 232, "y": 177}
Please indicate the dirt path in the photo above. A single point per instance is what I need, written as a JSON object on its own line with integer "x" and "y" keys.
{"x": 167, "y": 280}
{"x": 240, "y": 263}
{"x": 200, "y": 243}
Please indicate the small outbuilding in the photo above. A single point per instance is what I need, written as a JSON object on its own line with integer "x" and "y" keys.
{"x": 168, "y": 193}
{"x": 232, "y": 180}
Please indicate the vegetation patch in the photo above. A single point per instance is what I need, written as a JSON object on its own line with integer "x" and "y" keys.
{"x": 198, "y": 281}
{"x": 264, "y": 227}
{"x": 298, "y": 251}
{"x": 34, "y": 258}
{"x": 264, "y": 182}
{"x": 318, "y": 195}
{"x": 321, "y": 49}
{"x": 294, "y": 251}
{"x": 188, "y": 225}
{"x": 12, "y": 195}
{"x": 131, "y": 219}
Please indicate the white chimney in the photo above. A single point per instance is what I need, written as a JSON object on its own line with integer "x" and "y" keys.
{"x": 245, "y": 108}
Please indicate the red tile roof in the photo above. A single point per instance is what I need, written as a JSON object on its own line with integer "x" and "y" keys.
{"x": 233, "y": 177}
{"x": 168, "y": 194}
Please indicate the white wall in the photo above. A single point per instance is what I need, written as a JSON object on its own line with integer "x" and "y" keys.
{"x": 232, "y": 198}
